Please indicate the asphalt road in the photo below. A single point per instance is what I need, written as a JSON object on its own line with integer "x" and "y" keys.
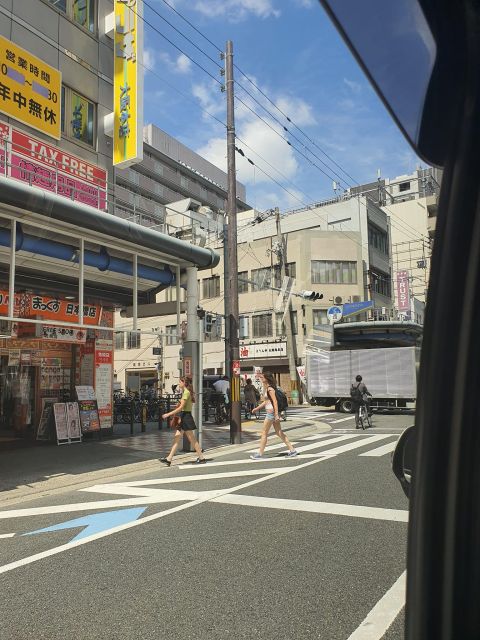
{"x": 309, "y": 547}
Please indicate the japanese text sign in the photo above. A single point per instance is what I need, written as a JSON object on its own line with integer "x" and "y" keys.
{"x": 30, "y": 89}
{"x": 128, "y": 83}
{"x": 403, "y": 291}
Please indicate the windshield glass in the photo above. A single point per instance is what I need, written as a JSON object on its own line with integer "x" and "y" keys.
{"x": 375, "y": 28}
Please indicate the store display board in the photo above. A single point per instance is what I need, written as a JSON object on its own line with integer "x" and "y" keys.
{"x": 104, "y": 381}
{"x": 88, "y": 409}
{"x": 67, "y": 422}
{"x": 46, "y": 423}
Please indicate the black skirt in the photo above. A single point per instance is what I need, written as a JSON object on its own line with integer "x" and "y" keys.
{"x": 188, "y": 423}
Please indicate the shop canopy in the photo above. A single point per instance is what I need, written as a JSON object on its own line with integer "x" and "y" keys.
{"x": 50, "y": 244}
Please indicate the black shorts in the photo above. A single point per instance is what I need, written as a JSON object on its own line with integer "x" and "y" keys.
{"x": 188, "y": 423}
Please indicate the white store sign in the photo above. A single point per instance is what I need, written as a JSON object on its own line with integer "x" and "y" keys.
{"x": 266, "y": 350}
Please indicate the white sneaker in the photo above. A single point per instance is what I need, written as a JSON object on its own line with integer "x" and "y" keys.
{"x": 256, "y": 456}
{"x": 292, "y": 454}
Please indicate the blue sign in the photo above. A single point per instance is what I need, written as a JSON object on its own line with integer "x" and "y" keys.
{"x": 334, "y": 314}
{"x": 352, "y": 308}
{"x": 95, "y": 522}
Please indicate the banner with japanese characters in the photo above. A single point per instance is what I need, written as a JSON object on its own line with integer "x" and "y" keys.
{"x": 30, "y": 89}
{"x": 30, "y": 305}
{"x": 28, "y": 159}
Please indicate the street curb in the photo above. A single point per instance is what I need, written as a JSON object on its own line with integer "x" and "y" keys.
{"x": 41, "y": 489}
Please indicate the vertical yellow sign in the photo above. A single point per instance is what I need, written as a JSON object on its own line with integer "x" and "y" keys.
{"x": 128, "y": 83}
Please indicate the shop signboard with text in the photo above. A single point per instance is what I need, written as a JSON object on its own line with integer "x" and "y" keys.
{"x": 104, "y": 381}
{"x": 30, "y": 305}
{"x": 30, "y": 89}
{"x": 403, "y": 291}
{"x": 263, "y": 350}
{"x": 31, "y": 160}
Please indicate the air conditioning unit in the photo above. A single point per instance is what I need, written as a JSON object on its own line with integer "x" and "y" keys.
{"x": 356, "y": 298}
{"x": 338, "y": 300}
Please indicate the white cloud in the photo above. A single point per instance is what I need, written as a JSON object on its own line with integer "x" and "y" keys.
{"x": 148, "y": 59}
{"x": 236, "y": 10}
{"x": 210, "y": 98}
{"x": 297, "y": 110}
{"x": 355, "y": 87}
{"x": 306, "y": 4}
{"x": 180, "y": 65}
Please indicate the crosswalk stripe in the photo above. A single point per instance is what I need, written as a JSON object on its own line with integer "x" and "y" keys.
{"x": 381, "y": 451}
{"x": 342, "y": 420}
{"x": 355, "y": 511}
{"x": 319, "y": 436}
{"x": 271, "y": 447}
{"x": 325, "y": 443}
{"x": 362, "y": 442}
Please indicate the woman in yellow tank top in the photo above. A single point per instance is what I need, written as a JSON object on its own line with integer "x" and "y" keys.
{"x": 187, "y": 425}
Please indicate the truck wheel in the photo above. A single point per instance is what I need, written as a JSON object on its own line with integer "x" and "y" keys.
{"x": 345, "y": 405}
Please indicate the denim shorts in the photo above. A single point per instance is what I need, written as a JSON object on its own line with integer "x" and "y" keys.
{"x": 270, "y": 416}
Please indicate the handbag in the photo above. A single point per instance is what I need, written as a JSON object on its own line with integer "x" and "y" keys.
{"x": 175, "y": 422}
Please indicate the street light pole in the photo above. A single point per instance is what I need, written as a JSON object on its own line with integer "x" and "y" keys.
{"x": 291, "y": 345}
{"x": 231, "y": 282}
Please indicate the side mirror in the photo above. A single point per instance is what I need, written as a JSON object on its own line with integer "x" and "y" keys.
{"x": 403, "y": 458}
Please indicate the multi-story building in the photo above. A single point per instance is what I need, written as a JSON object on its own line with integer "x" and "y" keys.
{"x": 411, "y": 202}
{"x": 339, "y": 248}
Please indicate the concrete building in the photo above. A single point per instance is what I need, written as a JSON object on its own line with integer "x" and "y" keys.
{"x": 411, "y": 202}
{"x": 340, "y": 248}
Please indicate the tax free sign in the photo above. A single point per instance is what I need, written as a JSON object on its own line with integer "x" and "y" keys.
{"x": 128, "y": 83}
{"x": 30, "y": 89}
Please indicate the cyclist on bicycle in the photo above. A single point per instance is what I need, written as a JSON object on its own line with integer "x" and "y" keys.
{"x": 360, "y": 397}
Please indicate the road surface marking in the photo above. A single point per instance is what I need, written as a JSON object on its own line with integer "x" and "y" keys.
{"x": 342, "y": 420}
{"x": 200, "y": 476}
{"x": 7, "y": 535}
{"x": 271, "y": 447}
{"x": 141, "y": 521}
{"x": 383, "y": 613}
{"x": 319, "y": 436}
{"x": 277, "y": 459}
{"x": 325, "y": 443}
{"x": 359, "y": 442}
{"x": 352, "y": 510}
{"x": 381, "y": 451}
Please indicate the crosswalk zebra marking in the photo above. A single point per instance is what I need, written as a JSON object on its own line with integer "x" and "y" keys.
{"x": 342, "y": 420}
{"x": 381, "y": 451}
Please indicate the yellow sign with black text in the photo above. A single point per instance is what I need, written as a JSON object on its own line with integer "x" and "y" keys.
{"x": 30, "y": 89}
{"x": 128, "y": 84}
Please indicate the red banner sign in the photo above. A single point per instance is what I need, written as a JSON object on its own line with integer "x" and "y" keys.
{"x": 28, "y": 305}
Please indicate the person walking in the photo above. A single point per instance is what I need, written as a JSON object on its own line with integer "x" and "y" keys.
{"x": 271, "y": 407}
{"x": 250, "y": 395}
{"x": 360, "y": 396}
{"x": 187, "y": 424}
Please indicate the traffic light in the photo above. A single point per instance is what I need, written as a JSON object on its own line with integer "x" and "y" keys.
{"x": 311, "y": 295}
{"x": 209, "y": 322}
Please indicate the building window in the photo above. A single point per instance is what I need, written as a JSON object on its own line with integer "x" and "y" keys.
{"x": 381, "y": 283}
{"x": 404, "y": 186}
{"x": 262, "y": 279}
{"x": 211, "y": 287}
{"x": 119, "y": 340}
{"x": 331, "y": 272}
{"x": 78, "y": 117}
{"x": 171, "y": 331}
{"x": 242, "y": 282}
{"x": 320, "y": 317}
{"x": 280, "y": 324}
{"x": 378, "y": 239}
{"x": 82, "y": 12}
{"x": 290, "y": 271}
{"x": 262, "y": 325}
{"x": 133, "y": 340}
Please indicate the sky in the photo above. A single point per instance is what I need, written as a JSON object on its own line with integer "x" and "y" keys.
{"x": 292, "y": 53}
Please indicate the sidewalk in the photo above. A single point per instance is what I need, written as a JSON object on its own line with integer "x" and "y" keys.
{"x": 27, "y": 472}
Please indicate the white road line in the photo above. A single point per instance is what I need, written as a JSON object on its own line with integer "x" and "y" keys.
{"x": 141, "y": 521}
{"x": 7, "y": 535}
{"x": 271, "y": 447}
{"x": 342, "y": 420}
{"x": 381, "y": 451}
{"x": 361, "y": 442}
{"x": 319, "y": 436}
{"x": 325, "y": 443}
{"x": 383, "y": 613}
{"x": 200, "y": 476}
{"x": 352, "y": 510}
{"x": 275, "y": 459}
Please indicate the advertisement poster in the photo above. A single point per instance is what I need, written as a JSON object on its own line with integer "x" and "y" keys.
{"x": 87, "y": 359}
{"x": 62, "y": 334}
{"x": 73, "y": 421}
{"x": 45, "y": 426}
{"x": 89, "y": 419}
{"x": 85, "y": 392}
{"x": 61, "y": 426}
{"x": 104, "y": 381}
{"x": 14, "y": 357}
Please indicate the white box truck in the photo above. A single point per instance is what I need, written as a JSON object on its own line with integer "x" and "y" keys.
{"x": 389, "y": 373}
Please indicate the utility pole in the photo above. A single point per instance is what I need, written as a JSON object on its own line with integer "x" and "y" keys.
{"x": 291, "y": 344}
{"x": 231, "y": 282}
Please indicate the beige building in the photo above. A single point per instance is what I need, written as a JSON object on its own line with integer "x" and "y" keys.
{"x": 340, "y": 248}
